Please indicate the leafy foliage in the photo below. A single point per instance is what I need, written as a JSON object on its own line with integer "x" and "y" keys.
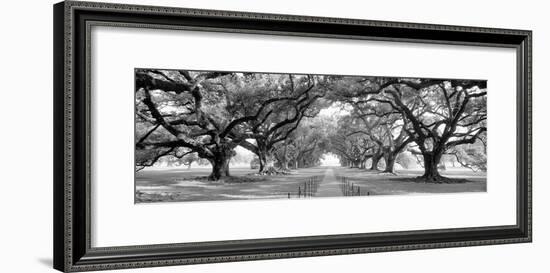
{"x": 203, "y": 116}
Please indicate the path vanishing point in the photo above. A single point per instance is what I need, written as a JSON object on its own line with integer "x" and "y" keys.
{"x": 329, "y": 187}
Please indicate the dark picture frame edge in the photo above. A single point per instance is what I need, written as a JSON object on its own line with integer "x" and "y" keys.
{"x": 72, "y": 249}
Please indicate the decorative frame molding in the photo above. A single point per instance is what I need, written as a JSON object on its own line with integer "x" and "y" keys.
{"x": 72, "y": 22}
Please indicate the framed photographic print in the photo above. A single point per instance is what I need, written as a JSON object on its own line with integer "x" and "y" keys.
{"x": 186, "y": 136}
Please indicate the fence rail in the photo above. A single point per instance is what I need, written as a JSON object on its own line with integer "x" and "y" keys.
{"x": 350, "y": 189}
{"x": 308, "y": 188}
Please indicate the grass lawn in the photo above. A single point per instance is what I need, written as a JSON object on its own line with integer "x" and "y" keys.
{"x": 377, "y": 183}
{"x": 180, "y": 184}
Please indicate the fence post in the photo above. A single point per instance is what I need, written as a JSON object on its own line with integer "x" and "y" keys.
{"x": 346, "y": 186}
{"x": 299, "y": 191}
{"x": 289, "y": 195}
{"x": 316, "y": 183}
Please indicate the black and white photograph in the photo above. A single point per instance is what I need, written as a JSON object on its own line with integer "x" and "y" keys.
{"x": 224, "y": 135}
{"x": 159, "y": 136}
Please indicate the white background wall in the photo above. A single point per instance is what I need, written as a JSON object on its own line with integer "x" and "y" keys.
{"x": 26, "y": 136}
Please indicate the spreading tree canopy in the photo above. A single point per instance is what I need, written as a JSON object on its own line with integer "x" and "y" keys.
{"x": 205, "y": 115}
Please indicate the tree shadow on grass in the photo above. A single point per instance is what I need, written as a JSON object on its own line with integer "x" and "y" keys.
{"x": 440, "y": 180}
{"x": 244, "y": 179}
{"x": 226, "y": 180}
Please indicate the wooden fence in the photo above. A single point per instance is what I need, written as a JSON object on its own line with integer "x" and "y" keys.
{"x": 308, "y": 188}
{"x": 349, "y": 188}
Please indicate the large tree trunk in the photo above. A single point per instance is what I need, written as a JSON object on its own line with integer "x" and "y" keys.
{"x": 431, "y": 160}
{"x": 220, "y": 166}
{"x": 261, "y": 158}
{"x": 298, "y": 161}
{"x": 284, "y": 160}
{"x": 390, "y": 162}
{"x": 284, "y": 164}
{"x": 262, "y": 155}
{"x": 266, "y": 158}
{"x": 267, "y": 164}
{"x": 375, "y": 160}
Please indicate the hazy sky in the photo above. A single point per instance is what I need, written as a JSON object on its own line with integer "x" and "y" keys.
{"x": 330, "y": 160}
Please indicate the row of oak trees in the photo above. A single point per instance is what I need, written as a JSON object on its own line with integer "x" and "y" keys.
{"x": 207, "y": 114}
